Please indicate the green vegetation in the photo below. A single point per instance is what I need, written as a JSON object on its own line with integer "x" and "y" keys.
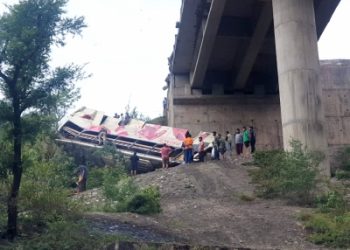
{"x": 49, "y": 218}
{"x": 36, "y": 176}
{"x": 125, "y": 196}
{"x": 33, "y": 96}
{"x": 344, "y": 167}
{"x": 120, "y": 192}
{"x": 330, "y": 225}
{"x": 291, "y": 175}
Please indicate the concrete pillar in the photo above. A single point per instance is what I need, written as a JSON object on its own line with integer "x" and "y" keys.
{"x": 298, "y": 74}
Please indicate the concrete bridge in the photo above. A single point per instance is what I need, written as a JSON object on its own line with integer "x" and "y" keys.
{"x": 255, "y": 62}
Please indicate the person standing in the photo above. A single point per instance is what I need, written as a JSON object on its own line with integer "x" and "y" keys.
{"x": 222, "y": 146}
{"x": 215, "y": 150}
{"x": 102, "y": 137}
{"x": 134, "y": 162}
{"x": 165, "y": 153}
{"x": 82, "y": 172}
{"x": 246, "y": 142}
{"x": 201, "y": 150}
{"x": 228, "y": 140}
{"x": 252, "y": 137}
{"x": 188, "y": 145}
{"x": 239, "y": 142}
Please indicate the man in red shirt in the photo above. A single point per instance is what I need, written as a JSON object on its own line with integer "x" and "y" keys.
{"x": 165, "y": 152}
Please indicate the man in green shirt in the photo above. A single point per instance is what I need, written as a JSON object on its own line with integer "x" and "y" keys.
{"x": 246, "y": 142}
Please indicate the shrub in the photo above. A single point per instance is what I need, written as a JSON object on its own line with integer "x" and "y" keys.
{"x": 290, "y": 175}
{"x": 125, "y": 196}
{"x": 116, "y": 184}
{"x": 96, "y": 177}
{"x": 44, "y": 196}
{"x": 41, "y": 201}
{"x": 146, "y": 201}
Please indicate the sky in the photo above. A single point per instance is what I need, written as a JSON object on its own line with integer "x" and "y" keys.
{"x": 126, "y": 45}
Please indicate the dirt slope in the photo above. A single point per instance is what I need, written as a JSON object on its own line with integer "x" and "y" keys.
{"x": 203, "y": 205}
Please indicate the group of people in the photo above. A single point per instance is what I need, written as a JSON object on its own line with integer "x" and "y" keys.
{"x": 123, "y": 120}
{"x": 244, "y": 142}
{"x": 187, "y": 146}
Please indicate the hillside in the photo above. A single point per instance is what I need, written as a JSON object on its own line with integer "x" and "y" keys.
{"x": 211, "y": 204}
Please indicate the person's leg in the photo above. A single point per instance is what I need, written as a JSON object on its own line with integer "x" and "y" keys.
{"x": 252, "y": 146}
{"x": 201, "y": 156}
{"x": 186, "y": 155}
{"x": 247, "y": 150}
{"x": 217, "y": 154}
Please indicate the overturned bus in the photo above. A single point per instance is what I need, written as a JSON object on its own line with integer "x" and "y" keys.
{"x": 92, "y": 128}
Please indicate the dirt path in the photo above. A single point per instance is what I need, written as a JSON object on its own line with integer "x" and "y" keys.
{"x": 203, "y": 204}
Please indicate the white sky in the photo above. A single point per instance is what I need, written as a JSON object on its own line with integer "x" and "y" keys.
{"x": 127, "y": 43}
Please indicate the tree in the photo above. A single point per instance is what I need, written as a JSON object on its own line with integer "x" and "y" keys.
{"x": 29, "y": 88}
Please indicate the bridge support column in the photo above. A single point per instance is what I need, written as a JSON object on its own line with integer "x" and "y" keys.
{"x": 298, "y": 74}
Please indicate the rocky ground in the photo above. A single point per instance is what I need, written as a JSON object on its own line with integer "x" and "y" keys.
{"x": 210, "y": 204}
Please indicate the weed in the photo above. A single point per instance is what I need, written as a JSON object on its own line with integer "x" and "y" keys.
{"x": 290, "y": 175}
{"x": 333, "y": 203}
{"x": 329, "y": 230}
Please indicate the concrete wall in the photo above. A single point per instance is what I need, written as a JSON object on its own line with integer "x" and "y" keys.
{"x": 221, "y": 113}
{"x": 335, "y": 80}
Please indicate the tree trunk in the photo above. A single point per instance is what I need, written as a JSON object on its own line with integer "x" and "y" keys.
{"x": 12, "y": 210}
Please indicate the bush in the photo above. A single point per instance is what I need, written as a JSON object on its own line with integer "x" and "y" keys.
{"x": 290, "y": 175}
{"x": 41, "y": 204}
{"x": 125, "y": 196}
{"x": 116, "y": 184}
{"x": 146, "y": 201}
{"x": 96, "y": 177}
{"x": 44, "y": 194}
